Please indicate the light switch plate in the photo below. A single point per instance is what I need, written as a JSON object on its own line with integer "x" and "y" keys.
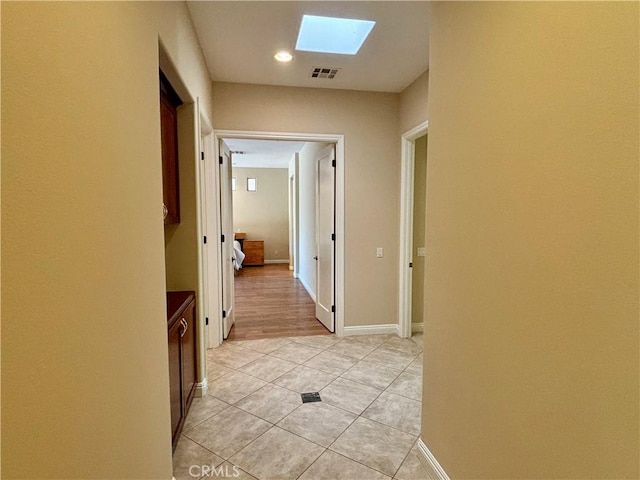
{"x": 379, "y": 252}
{"x": 421, "y": 251}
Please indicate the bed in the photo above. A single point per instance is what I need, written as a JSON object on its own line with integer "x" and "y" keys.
{"x": 238, "y": 255}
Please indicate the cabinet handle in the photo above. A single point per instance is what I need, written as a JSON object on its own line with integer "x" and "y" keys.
{"x": 184, "y": 323}
{"x": 165, "y": 211}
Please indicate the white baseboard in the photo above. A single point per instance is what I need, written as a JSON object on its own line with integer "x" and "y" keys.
{"x": 201, "y": 388}
{"x": 311, "y": 293}
{"x": 417, "y": 327}
{"x": 429, "y": 462}
{"x": 282, "y": 260}
{"x": 371, "y": 329}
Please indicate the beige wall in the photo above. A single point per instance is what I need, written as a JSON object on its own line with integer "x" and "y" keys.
{"x": 181, "y": 240}
{"x": 419, "y": 212}
{"x": 84, "y": 352}
{"x": 308, "y": 176}
{"x": 413, "y": 103}
{"x": 369, "y": 122}
{"x": 264, "y": 214}
{"x": 531, "y": 350}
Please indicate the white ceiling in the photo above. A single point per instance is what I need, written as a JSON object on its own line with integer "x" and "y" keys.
{"x": 239, "y": 39}
{"x": 262, "y": 153}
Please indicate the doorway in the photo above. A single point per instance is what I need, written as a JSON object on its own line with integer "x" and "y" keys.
{"x": 268, "y": 301}
{"x": 336, "y": 236}
{"x": 409, "y": 236}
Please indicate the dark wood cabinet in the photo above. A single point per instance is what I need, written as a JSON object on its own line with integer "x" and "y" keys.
{"x": 181, "y": 324}
{"x": 169, "y": 103}
{"x": 175, "y": 376}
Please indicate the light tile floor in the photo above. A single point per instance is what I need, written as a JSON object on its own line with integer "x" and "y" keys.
{"x": 253, "y": 424}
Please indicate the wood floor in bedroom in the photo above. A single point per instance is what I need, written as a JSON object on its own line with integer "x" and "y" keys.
{"x": 270, "y": 303}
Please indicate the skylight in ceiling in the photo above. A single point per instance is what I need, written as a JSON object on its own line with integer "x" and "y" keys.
{"x": 332, "y": 35}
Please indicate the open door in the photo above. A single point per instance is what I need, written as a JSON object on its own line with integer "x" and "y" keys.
{"x": 204, "y": 298}
{"x": 325, "y": 228}
{"x": 226, "y": 227}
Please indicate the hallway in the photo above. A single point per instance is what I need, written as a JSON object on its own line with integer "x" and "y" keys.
{"x": 269, "y": 303}
{"x": 253, "y": 423}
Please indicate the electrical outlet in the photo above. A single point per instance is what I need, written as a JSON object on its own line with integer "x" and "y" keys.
{"x": 379, "y": 252}
{"x": 421, "y": 251}
{"x": 275, "y": 252}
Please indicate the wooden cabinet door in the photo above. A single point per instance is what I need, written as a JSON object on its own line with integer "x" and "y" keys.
{"x": 189, "y": 375}
{"x": 175, "y": 379}
{"x": 169, "y": 102}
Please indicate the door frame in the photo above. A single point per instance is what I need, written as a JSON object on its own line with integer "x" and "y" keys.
{"x": 406, "y": 225}
{"x": 293, "y": 221}
{"x": 338, "y": 140}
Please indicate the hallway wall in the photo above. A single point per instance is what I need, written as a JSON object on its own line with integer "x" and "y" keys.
{"x": 531, "y": 348}
{"x": 84, "y": 339}
{"x": 413, "y": 103}
{"x": 308, "y": 175}
{"x": 369, "y": 122}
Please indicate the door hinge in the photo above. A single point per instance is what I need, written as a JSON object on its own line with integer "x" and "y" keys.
{"x": 206, "y": 320}
{"x": 222, "y": 238}
{"x": 333, "y": 237}
{"x": 224, "y": 314}
{"x": 201, "y": 155}
{"x": 333, "y": 163}
{"x": 220, "y": 159}
{"x": 205, "y": 239}
{"x": 333, "y": 309}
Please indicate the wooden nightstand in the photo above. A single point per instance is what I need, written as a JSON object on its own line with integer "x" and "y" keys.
{"x": 254, "y": 252}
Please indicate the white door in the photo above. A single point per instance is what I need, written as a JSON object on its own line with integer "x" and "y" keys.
{"x": 325, "y": 228}
{"x": 226, "y": 227}
{"x": 204, "y": 225}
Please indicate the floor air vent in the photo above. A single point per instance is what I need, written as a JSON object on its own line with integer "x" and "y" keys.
{"x": 310, "y": 397}
{"x": 324, "y": 72}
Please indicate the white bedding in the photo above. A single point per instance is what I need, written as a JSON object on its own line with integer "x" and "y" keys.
{"x": 238, "y": 255}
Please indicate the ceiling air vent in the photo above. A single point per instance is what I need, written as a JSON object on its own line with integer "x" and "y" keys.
{"x": 324, "y": 72}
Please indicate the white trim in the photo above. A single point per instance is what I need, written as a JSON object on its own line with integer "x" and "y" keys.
{"x": 371, "y": 329}
{"x": 202, "y": 388}
{"x": 338, "y": 139}
{"x": 417, "y": 131}
{"x": 434, "y": 469}
{"x": 311, "y": 293}
{"x": 281, "y": 260}
{"x": 406, "y": 226}
{"x": 417, "y": 327}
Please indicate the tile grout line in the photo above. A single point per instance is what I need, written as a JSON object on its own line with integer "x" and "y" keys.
{"x": 339, "y": 376}
{"x": 212, "y": 415}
